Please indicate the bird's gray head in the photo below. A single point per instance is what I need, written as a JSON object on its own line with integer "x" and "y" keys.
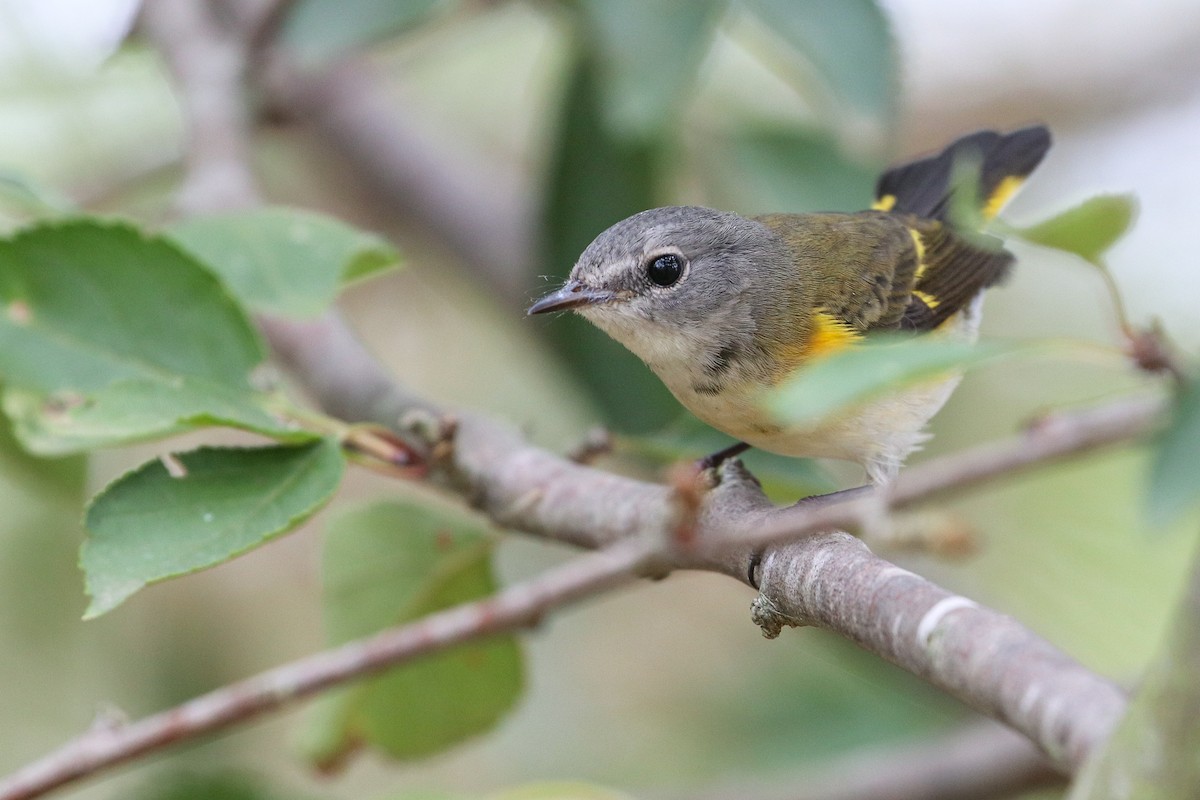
{"x": 673, "y": 284}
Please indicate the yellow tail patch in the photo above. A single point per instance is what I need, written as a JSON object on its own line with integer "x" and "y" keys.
{"x": 1003, "y": 192}
{"x": 885, "y": 203}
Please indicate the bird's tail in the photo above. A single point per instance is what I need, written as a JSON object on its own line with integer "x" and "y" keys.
{"x": 1001, "y": 162}
{"x": 955, "y": 262}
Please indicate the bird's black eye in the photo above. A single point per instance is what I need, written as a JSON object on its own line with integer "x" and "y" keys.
{"x": 665, "y": 270}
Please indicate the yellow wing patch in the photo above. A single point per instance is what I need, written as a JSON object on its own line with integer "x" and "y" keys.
{"x": 1001, "y": 195}
{"x": 885, "y": 203}
{"x": 919, "y": 244}
{"x": 926, "y": 298}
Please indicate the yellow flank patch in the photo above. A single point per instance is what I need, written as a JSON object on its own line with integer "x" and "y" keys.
{"x": 919, "y": 244}
{"x": 885, "y": 203}
{"x": 926, "y": 298}
{"x": 829, "y": 334}
{"x": 1001, "y": 195}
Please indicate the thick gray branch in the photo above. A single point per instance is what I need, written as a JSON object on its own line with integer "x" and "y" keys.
{"x": 984, "y": 658}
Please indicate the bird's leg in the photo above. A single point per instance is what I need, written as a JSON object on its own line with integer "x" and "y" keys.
{"x": 716, "y": 459}
{"x": 875, "y": 521}
{"x": 841, "y": 495}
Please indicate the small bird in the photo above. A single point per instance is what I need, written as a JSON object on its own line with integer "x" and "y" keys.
{"x": 723, "y": 307}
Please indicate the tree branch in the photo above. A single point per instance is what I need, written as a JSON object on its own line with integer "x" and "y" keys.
{"x": 208, "y": 67}
{"x": 831, "y": 580}
{"x": 521, "y": 605}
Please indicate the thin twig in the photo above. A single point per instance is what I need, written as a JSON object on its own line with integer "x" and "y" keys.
{"x": 518, "y": 606}
{"x": 1050, "y": 439}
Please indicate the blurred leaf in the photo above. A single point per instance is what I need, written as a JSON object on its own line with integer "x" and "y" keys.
{"x": 201, "y": 786}
{"x": 149, "y": 525}
{"x": 39, "y": 583}
{"x": 1175, "y": 470}
{"x": 391, "y": 563}
{"x": 648, "y": 57}
{"x": 321, "y": 30}
{"x": 282, "y": 260}
{"x": 558, "y": 790}
{"x": 108, "y": 336}
{"x": 849, "y": 45}
{"x": 783, "y": 478}
{"x": 766, "y": 171}
{"x": 60, "y": 479}
{"x": 544, "y": 790}
{"x": 832, "y": 699}
{"x": 32, "y": 198}
{"x": 137, "y": 409}
{"x": 597, "y": 179}
{"x": 863, "y": 372}
{"x": 1154, "y": 754}
{"x": 1087, "y": 230}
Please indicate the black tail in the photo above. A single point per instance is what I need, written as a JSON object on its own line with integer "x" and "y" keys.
{"x": 924, "y": 187}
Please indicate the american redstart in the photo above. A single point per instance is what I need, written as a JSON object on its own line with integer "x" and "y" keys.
{"x": 724, "y": 307}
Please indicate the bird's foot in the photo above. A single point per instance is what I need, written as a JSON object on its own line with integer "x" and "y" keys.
{"x": 714, "y": 460}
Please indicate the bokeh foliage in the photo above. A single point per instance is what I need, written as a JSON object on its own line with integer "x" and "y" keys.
{"x": 629, "y": 126}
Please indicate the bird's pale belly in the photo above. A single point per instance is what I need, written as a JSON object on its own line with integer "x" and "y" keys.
{"x": 878, "y": 435}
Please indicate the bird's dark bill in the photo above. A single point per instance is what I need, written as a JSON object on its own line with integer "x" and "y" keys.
{"x": 572, "y": 295}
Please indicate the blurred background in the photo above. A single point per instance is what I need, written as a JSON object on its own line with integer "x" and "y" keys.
{"x": 511, "y": 133}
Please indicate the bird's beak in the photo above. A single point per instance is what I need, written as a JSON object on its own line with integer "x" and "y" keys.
{"x": 572, "y": 295}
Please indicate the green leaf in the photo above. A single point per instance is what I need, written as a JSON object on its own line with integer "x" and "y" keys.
{"x": 108, "y": 336}
{"x": 87, "y": 303}
{"x": 782, "y": 477}
{"x": 61, "y": 480}
{"x": 1154, "y": 754}
{"x": 282, "y": 260}
{"x": 597, "y": 179}
{"x": 1174, "y": 477}
{"x": 390, "y": 563}
{"x": 181, "y": 785}
{"x": 138, "y": 409}
{"x": 151, "y": 524}
{"x": 767, "y": 171}
{"x": 1087, "y": 230}
{"x": 863, "y": 372}
{"x": 848, "y": 45}
{"x": 320, "y": 30}
{"x": 649, "y": 54}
